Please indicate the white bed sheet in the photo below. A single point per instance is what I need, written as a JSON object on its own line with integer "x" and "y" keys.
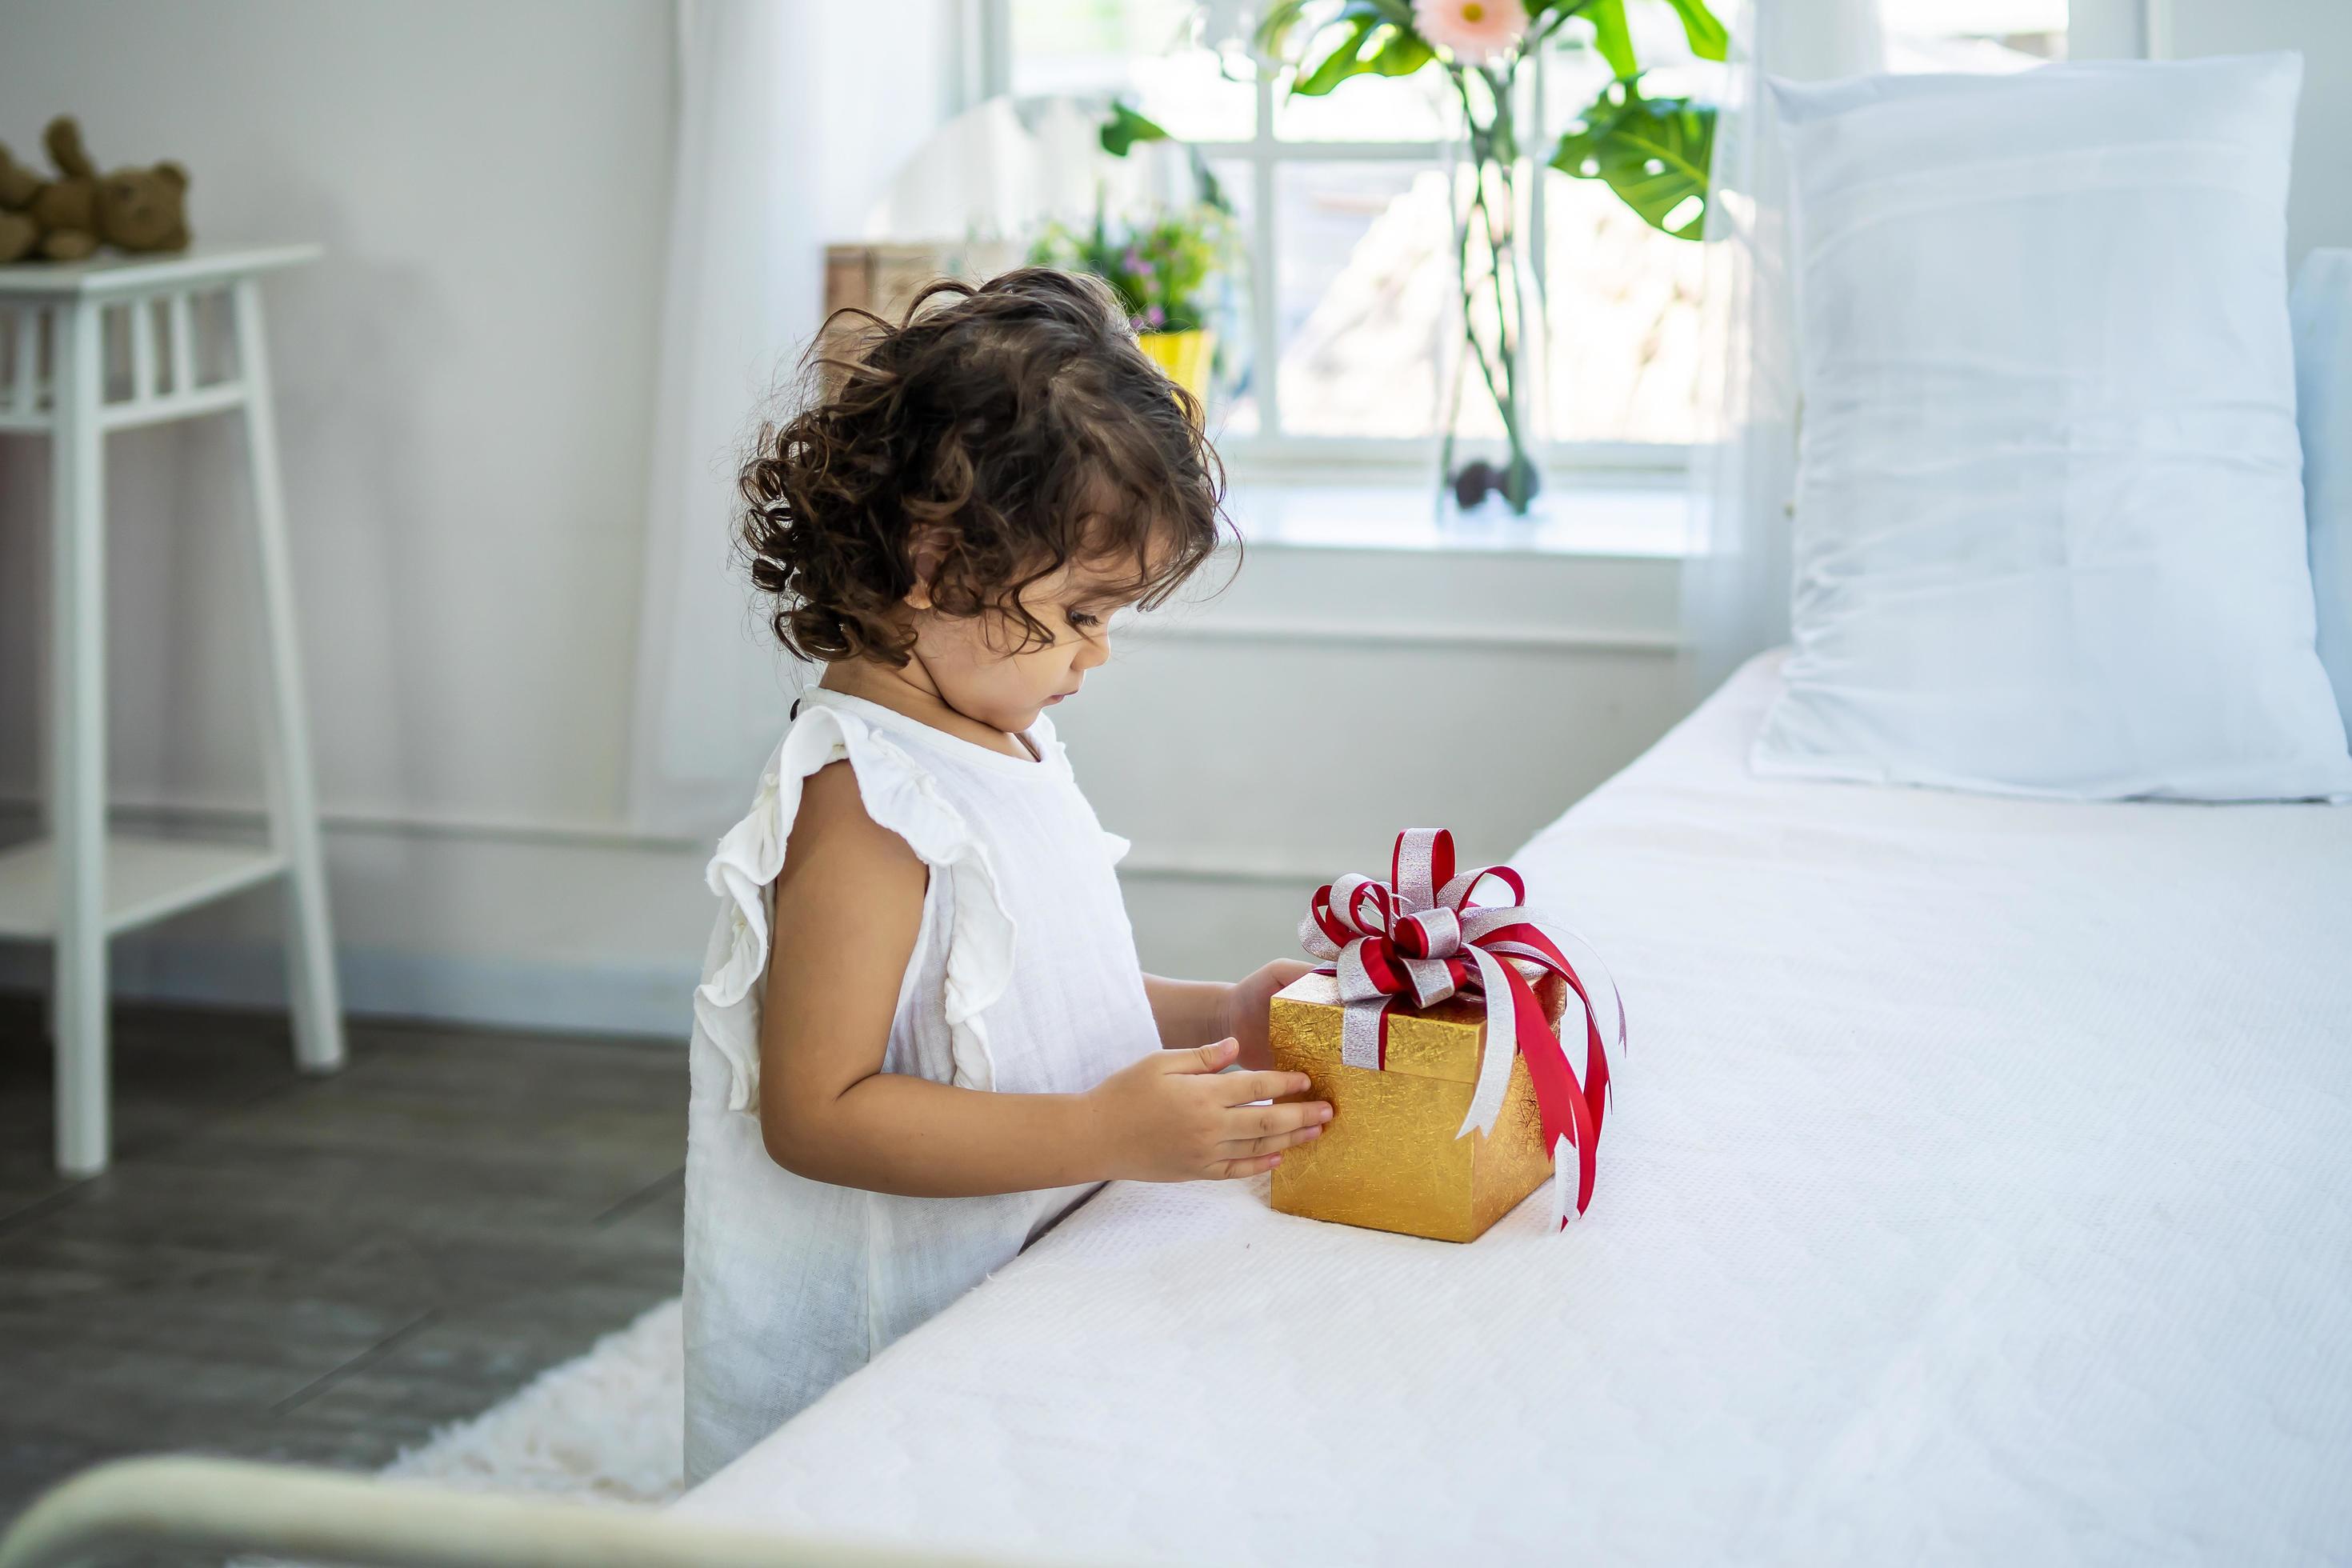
{"x": 1981, "y": 1188}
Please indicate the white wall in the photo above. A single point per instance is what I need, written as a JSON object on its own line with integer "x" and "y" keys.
{"x": 2319, "y": 207}
{"x": 465, "y": 399}
{"x": 1282, "y": 732}
{"x": 462, "y": 383}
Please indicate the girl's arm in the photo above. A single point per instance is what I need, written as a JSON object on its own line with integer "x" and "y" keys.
{"x": 1191, "y": 1011}
{"x": 848, "y": 905}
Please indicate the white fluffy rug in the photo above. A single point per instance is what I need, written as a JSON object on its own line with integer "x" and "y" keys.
{"x": 608, "y": 1425}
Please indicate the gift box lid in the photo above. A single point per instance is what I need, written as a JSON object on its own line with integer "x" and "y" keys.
{"x": 1439, "y": 1042}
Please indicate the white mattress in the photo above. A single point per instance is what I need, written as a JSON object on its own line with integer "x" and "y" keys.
{"x": 1980, "y": 1187}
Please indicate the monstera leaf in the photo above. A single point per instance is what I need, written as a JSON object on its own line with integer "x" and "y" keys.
{"x": 1653, "y": 152}
{"x": 1370, "y": 37}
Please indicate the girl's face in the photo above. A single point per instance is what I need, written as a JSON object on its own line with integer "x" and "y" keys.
{"x": 972, "y": 659}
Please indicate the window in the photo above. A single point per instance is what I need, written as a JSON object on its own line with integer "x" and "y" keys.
{"x": 1973, "y": 34}
{"x": 1342, "y": 344}
{"x": 1346, "y": 309}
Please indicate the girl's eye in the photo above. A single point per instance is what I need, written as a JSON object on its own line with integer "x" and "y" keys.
{"x": 1081, "y": 619}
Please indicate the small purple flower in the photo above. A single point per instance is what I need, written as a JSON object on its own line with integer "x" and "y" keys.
{"x": 1155, "y": 316}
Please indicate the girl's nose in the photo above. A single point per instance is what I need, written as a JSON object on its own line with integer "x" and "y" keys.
{"x": 1092, "y": 651}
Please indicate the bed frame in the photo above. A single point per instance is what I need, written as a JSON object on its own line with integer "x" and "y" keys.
{"x": 299, "y": 1515}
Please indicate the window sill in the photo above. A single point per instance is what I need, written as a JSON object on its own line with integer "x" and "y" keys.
{"x": 1618, "y": 517}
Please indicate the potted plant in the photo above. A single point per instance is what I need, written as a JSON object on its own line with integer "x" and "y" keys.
{"x": 1161, "y": 268}
{"x": 1653, "y": 152}
{"x": 1165, "y": 267}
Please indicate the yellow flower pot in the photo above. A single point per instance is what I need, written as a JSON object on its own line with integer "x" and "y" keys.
{"x": 1185, "y": 356}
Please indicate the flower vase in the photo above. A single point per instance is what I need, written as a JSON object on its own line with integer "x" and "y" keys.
{"x": 1502, "y": 314}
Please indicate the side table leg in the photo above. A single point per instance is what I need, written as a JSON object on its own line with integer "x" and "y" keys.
{"x": 293, "y": 795}
{"x": 78, "y": 753}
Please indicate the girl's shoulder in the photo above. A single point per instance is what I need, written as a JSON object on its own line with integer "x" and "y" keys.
{"x": 898, "y": 793}
{"x": 893, "y": 787}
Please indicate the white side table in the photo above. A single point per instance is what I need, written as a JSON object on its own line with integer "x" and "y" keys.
{"x": 87, "y": 348}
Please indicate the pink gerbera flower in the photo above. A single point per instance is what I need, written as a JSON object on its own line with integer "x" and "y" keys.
{"x": 1474, "y": 32}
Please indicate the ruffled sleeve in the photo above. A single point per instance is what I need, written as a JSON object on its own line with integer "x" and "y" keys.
{"x": 1050, "y": 743}
{"x": 899, "y": 795}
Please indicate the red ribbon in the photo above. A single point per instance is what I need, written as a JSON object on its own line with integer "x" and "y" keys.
{"x": 1419, "y": 935}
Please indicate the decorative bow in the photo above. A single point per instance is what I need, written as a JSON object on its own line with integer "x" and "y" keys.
{"x": 1419, "y": 935}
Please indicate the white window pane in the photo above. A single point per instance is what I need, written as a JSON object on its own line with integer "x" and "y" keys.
{"x": 1149, "y": 52}
{"x": 1625, "y": 314}
{"x": 1973, "y": 34}
{"x": 1365, "y": 297}
{"x": 1623, "y": 310}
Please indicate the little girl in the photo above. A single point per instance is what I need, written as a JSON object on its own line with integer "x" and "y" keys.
{"x": 922, "y": 1036}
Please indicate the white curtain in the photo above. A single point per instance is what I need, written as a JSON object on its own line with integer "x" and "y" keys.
{"x": 792, "y": 119}
{"x": 1736, "y": 579}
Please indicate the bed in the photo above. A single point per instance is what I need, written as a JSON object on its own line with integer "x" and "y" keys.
{"x": 1981, "y": 1186}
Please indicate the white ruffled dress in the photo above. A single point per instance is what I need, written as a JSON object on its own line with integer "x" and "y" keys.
{"x": 1024, "y": 980}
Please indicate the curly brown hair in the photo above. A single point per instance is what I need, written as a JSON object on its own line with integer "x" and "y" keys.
{"x": 1009, "y": 430}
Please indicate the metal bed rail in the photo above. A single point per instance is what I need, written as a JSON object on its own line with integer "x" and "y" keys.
{"x": 301, "y": 1515}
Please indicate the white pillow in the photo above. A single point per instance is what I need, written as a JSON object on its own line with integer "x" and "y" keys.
{"x": 2323, "y": 399}
{"x": 2048, "y": 536}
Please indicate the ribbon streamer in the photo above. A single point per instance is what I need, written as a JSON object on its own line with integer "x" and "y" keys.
{"x": 1419, "y": 936}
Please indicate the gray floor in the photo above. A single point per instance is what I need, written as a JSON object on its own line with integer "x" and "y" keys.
{"x": 320, "y": 1269}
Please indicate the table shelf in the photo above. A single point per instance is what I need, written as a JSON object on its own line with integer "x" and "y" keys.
{"x": 147, "y": 879}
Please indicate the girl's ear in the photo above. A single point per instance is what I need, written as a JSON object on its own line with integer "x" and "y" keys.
{"x": 924, "y": 551}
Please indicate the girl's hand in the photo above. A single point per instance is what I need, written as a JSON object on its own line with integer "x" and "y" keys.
{"x": 1246, "y": 1002}
{"x": 1176, "y": 1116}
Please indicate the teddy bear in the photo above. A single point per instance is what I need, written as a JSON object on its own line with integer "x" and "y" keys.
{"x": 67, "y": 218}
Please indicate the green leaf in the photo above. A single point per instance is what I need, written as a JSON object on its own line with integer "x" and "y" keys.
{"x": 1613, "y": 40}
{"x": 1344, "y": 61}
{"x": 1282, "y": 18}
{"x": 1653, "y": 152}
{"x": 1709, "y": 39}
{"x": 1373, "y": 36}
{"x": 1402, "y": 54}
{"x": 1611, "y": 37}
{"x": 1125, "y": 128}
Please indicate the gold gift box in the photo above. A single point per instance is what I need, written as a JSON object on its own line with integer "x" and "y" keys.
{"x": 1389, "y": 1159}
